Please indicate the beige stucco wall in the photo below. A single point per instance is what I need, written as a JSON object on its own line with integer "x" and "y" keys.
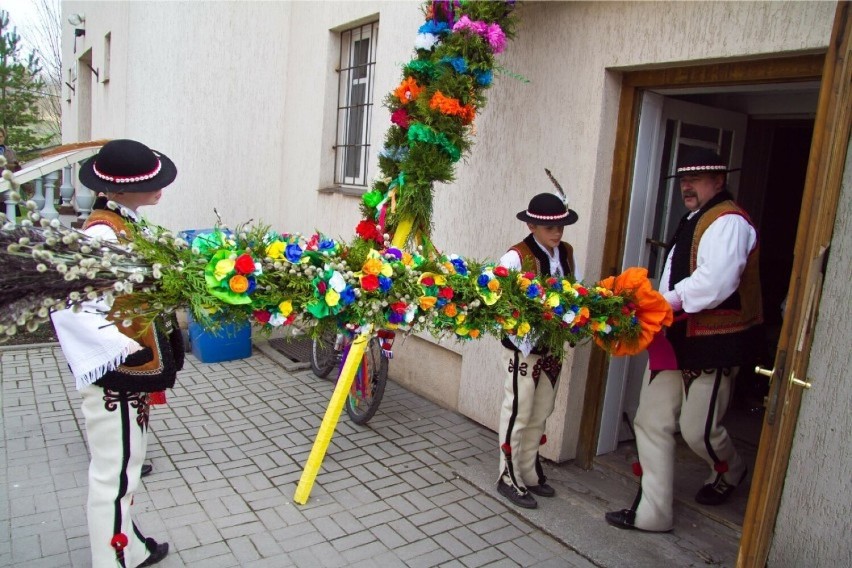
{"x": 812, "y": 527}
{"x": 242, "y": 96}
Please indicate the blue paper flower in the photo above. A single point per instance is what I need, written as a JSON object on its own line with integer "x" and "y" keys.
{"x": 385, "y": 283}
{"x": 293, "y": 252}
{"x": 347, "y": 296}
{"x": 433, "y": 27}
{"x": 484, "y": 78}
{"x": 459, "y": 265}
{"x": 457, "y": 63}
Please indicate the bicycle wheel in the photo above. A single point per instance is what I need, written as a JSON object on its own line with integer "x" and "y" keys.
{"x": 324, "y": 357}
{"x": 368, "y": 387}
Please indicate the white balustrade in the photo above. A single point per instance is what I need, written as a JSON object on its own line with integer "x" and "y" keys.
{"x": 38, "y": 193}
{"x": 49, "y": 210}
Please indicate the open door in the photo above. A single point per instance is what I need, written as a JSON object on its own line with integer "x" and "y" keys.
{"x": 666, "y": 127}
{"x": 816, "y": 222}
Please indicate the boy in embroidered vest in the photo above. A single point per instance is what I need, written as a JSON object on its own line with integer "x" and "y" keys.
{"x": 529, "y": 385}
{"x": 119, "y": 370}
{"x": 711, "y": 281}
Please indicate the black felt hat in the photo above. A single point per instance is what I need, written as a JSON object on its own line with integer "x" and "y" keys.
{"x": 127, "y": 166}
{"x": 547, "y": 209}
{"x": 697, "y": 160}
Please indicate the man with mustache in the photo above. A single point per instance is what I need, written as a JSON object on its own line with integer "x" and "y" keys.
{"x": 712, "y": 282}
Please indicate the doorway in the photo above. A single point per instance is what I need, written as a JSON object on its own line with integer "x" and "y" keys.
{"x": 766, "y": 131}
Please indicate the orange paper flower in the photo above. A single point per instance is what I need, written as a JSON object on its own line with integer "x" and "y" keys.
{"x": 451, "y": 106}
{"x": 407, "y": 90}
{"x": 652, "y": 310}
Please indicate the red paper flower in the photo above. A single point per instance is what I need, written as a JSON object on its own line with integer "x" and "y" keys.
{"x": 368, "y": 231}
{"x": 446, "y": 292}
{"x": 501, "y": 271}
{"x": 428, "y": 281}
{"x": 400, "y": 118}
{"x": 399, "y": 307}
{"x": 244, "y": 264}
{"x": 262, "y": 316}
{"x": 370, "y": 282}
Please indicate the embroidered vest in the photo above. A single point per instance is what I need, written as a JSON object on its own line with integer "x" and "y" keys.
{"x": 535, "y": 260}
{"x": 142, "y": 371}
{"x": 724, "y": 335}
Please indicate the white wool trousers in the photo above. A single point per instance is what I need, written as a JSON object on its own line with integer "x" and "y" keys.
{"x": 117, "y": 432}
{"x": 528, "y": 399}
{"x": 664, "y": 402}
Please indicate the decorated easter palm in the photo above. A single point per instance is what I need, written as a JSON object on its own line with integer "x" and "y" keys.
{"x": 389, "y": 276}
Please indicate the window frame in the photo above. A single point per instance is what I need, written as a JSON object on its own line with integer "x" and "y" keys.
{"x": 355, "y": 101}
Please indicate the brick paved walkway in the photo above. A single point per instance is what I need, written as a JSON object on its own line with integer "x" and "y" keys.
{"x": 228, "y": 451}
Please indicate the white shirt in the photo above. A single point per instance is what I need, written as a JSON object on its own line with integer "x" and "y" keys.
{"x": 512, "y": 261}
{"x": 722, "y": 254}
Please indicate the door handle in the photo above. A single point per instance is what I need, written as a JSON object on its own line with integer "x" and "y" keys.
{"x": 655, "y": 243}
{"x": 799, "y": 382}
{"x": 765, "y": 372}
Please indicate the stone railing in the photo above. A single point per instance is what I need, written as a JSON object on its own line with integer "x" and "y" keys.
{"x": 73, "y": 197}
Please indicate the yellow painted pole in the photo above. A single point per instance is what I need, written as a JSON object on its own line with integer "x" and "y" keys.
{"x": 332, "y": 414}
{"x": 403, "y": 229}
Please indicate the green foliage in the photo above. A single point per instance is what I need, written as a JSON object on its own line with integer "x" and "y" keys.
{"x": 20, "y": 92}
{"x": 456, "y": 69}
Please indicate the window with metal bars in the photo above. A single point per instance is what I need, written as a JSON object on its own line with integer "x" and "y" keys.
{"x": 355, "y": 103}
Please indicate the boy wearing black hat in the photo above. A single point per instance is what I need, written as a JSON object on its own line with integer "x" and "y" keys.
{"x": 712, "y": 283}
{"x": 120, "y": 370}
{"x": 529, "y": 385}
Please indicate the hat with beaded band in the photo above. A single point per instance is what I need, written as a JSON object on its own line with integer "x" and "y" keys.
{"x": 549, "y": 210}
{"x": 127, "y": 166}
{"x": 696, "y": 160}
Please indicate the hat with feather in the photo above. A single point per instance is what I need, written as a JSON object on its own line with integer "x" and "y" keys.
{"x": 549, "y": 209}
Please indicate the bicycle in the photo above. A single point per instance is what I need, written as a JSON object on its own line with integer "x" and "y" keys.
{"x": 329, "y": 351}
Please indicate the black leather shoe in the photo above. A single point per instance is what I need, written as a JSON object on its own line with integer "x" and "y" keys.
{"x": 524, "y": 499}
{"x": 622, "y": 519}
{"x": 543, "y": 490}
{"x": 718, "y": 492}
{"x": 158, "y": 552}
{"x": 626, "y": 519}
{"x": 146, "y": 469}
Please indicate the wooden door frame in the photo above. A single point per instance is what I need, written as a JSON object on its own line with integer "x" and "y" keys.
{"x": 827, "y": 161}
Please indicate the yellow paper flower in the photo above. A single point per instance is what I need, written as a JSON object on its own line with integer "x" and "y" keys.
{"x": 493, "y": 285}
{"x": 286, "y": 308}
{"x": 407, "y": 259}
{"x": 462, "y": 331}
{"x": 460, "y": 318}
{"x": 238, "y": 283}
{"x": 523, "y": 329}
{"x": 427, "y": 302}
{"x": 510, "y": 323}
{"x": 223, "y": 268}
{"x": 386, "y": 270}
{"x": 553, "y": 300}
{"x": 524, "y": 283}
{"x": 275, "y": 250}
{"x": 332, "y": 298}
